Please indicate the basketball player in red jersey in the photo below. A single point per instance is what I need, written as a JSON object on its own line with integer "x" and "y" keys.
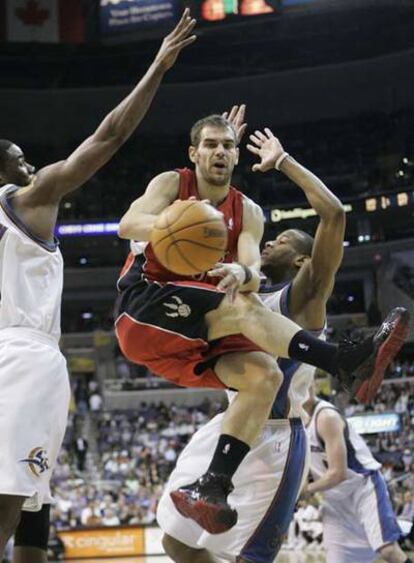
{"x": 214, "y": 332}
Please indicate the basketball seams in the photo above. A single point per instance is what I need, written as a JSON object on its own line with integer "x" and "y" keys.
{"x": 198, "y": 243}
{"x": 169, "y": 241}
{"x": 202, "y": 222}
{"x": 183, "y": 258}
{"x": 192, "y": 203}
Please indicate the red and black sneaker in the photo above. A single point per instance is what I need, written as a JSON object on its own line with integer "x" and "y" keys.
{"x": 364, "y": 380}
{"x": 205, "y": 502}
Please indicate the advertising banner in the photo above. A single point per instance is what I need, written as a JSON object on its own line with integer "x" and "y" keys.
{"x": 374, "y": 423}
{"x": 103, "y": 542}
{"x": 118, "y": 16}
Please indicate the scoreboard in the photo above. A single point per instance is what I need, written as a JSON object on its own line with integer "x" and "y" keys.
{"x": 219, "y": 10}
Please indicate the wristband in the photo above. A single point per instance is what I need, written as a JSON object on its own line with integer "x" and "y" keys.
{"x": 281, "y": 159}
{"x": 248, "y": 275}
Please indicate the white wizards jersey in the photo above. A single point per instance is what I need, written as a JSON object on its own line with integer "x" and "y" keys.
{"x": 360, "y": 461}
{"x": 297, "y": 377}
{"x": 31, "y": 274}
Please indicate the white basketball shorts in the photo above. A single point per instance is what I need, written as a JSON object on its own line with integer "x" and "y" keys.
{"x": 355, "y": 528}
{"x": 267, "y": 485}
{"x": 34, "y": 403}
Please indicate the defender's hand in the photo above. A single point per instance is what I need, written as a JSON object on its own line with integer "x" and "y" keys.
{"x": 267, "y": 147}
{"x": 233, "y": 276}
{"x": 236, "y": 118}
{"x": 177, "y": 40}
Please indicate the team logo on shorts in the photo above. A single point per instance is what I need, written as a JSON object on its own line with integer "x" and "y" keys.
{"x": 178, "y": 308}
{"x": 37, "y": 461}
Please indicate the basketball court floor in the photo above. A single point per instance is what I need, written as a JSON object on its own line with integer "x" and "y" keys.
{"x": 286, "y": 557}
{"x": 282, "y": 558}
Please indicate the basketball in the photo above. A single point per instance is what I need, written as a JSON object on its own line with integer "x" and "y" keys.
{"x": 189, "y": 237}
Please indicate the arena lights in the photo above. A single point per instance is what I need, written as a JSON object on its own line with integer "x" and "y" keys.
{"x": 383, "y": 202}
{"x": 86, "y": 229}
{"x": 277, "y": 215}
{"x": 369, "y": 204}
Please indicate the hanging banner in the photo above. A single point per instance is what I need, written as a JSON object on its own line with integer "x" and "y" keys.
{"x": 119, "y": 16}
{"x": 44, "y": 21}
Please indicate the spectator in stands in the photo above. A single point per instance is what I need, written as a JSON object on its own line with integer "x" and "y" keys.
{"x": 81, "y": 449}
{"x": 137, "y": 450}
{"x": 95, "y": 402}
{"x": 91, "y": 515}
{"x": 407, "y": 511}
{"x": 110, "y": 518}
{"x": 81, "y": 397}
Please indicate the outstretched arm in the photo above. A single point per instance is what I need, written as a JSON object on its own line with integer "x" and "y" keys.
{"x": 313, "y": 284}
{"x": 56, "y": 180}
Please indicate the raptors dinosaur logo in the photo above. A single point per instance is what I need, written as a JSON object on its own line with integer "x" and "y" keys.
{"x": 178, "y": 308}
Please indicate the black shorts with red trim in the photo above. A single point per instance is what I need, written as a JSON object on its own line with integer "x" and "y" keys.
{"x": 163, "y": 327}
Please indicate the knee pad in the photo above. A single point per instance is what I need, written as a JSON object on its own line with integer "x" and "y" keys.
{"x": 33, "y": 529}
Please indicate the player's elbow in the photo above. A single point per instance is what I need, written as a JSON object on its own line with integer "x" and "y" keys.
{"x": 339, "y": 475}
{"x": 337, "y": 213}
{"x": 124, "y": 230}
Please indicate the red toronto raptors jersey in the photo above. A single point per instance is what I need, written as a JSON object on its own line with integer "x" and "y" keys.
{"x": 152, "y": 270}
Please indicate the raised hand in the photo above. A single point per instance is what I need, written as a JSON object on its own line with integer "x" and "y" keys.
{"x": 267, "y": 147}
{"x": 236, "y": 118}
{"x": 175, "y": 41}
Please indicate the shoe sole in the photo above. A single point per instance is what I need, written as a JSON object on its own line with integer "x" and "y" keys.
{"x": 210, "y": 517}
{"x": 385, "y": 355}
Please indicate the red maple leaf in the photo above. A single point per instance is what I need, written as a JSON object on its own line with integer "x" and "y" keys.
{"x": 32, "y": 13}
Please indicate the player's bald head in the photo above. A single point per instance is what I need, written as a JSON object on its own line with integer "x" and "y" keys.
{"x": 302, "y": 242}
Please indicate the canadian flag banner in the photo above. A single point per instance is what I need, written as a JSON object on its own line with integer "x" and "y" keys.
{"x": 48, "y": 21}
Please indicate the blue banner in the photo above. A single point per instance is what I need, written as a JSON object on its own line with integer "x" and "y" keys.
{"x": 128, "y": 15}
{"x": 375, "y": 423}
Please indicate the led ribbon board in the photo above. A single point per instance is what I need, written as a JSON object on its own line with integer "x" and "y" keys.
{"x": 219, "y": 10}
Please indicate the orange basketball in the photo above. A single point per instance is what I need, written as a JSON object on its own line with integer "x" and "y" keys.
{"x": 189, "y": 237}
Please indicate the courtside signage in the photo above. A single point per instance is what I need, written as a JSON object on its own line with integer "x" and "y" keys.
{"x": 103, "y": 542}
{"x": 375, "y": 423}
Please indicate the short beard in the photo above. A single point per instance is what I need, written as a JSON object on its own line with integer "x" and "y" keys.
{"x": 219, "y": 183}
